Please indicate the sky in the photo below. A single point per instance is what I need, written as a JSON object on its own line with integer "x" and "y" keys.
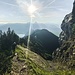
{"x": 46, "y": 11}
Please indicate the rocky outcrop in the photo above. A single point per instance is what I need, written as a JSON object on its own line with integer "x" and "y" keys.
{"x": 66, "y": 52}
{"x": 73, "y": 13}
{"x": 66, "y": 27}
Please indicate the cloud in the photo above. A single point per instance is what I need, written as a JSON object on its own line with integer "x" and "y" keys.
{"x": 49, "y": 10}
{"x": 8, "y": 4}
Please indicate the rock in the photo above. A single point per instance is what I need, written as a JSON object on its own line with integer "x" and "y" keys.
{"x": 65, "y": 53}
{"x": 15, "y": 54}
{"x": 66, "y": 28}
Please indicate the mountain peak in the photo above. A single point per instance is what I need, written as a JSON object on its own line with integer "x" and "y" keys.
{"x": 43, "y": 42}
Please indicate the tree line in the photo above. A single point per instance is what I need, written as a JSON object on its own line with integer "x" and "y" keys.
{"x": 7, "y": 40}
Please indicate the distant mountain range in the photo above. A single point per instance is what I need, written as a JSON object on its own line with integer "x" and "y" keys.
{"x": 23, "y": 28}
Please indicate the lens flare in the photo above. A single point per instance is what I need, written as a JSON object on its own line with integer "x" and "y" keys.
{"x": 32, "y": 9}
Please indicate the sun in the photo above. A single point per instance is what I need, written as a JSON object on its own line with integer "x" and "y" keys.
{"x": 32, "y": 9}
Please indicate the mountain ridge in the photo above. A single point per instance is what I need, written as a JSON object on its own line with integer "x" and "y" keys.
{"x": 43, "y": 42}
{"x": 23, "y": 28}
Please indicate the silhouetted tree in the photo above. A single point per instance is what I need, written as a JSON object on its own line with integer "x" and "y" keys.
{"x": 6, "y": 52}
{"x": 0, "y": 38}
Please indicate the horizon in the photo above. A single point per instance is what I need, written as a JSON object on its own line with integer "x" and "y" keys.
{"x": 34, "y": 11}
{"x": 22, "y": 28}
{"x": 16, "y": 12}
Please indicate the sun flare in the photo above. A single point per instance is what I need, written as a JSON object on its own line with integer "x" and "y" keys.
{"x": 32, "y": 9}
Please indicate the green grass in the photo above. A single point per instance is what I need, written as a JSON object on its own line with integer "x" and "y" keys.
{"x": 36, "y": 69}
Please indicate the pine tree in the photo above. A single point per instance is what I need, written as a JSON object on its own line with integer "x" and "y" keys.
{"x": 0, "y": 38}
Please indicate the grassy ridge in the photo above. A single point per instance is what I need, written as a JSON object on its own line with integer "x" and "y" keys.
{"x": 32, "y": 67}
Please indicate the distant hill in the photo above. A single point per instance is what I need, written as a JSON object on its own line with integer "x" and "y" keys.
{"x": 43, "y": 42}
{"x": 23, "y": 28}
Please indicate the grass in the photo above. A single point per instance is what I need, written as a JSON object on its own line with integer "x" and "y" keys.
{"x": 21, "y": 55}
{"x": 34, "y": 68}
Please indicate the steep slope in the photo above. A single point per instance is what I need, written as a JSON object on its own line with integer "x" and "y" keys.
{"x": 26, "y": 62}
{"x": 66, "y": 52}
{"x": 33, "y": 64}
{"x": 43, "y": 42}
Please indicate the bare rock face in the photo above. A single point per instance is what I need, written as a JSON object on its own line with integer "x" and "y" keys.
{"x": 66, "y": 27}
{"x": 66, "y": 52}
{"x": 73, "y": 13}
